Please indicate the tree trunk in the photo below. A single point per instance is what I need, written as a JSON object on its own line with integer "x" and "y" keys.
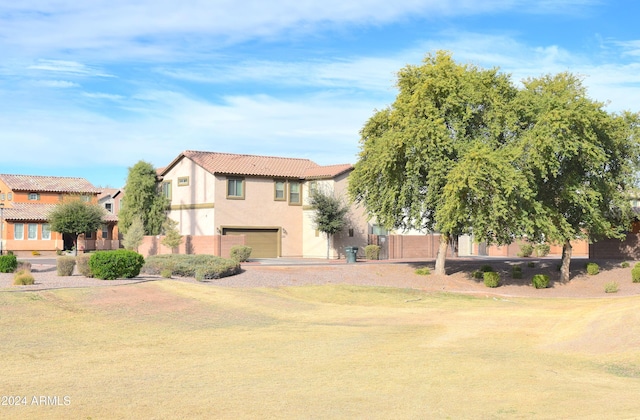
{"x": 442, "y": 254}
{"x": 328, "y": 244}
{"x": 566, "y": 261}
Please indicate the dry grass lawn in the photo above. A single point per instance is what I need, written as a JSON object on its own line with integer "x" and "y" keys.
{"x": 168, "y": 349}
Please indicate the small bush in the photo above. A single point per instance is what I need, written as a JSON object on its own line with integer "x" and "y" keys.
{"x": 111, "y": 265}
{"x": 65, "y": 265}
{"x": 166, "y": 273}
{"x": 542, "y": 250}
{"x": 240, "y": 253}
{"x": 8, "y": 263}
{"x": 624, "y": 264}
{"x": 423, "y": 271}
{"x": 525, "y": 250}
{"x": 477, "y": 274}
{"x": 217, "y": 269}
{"x": 592, "y": 269}
{"x": 635, "y": 274}
{"x": 611, "y": 287}
{"x": 516, "y": 272}
{"x": 531, "y": 264}
{"x": 372, "y": 252}
{"x": 23, "y": 278}
{"x": 540, "y": 281}
{"x": 82, "y": 262}
{"x": 491, "y": 279}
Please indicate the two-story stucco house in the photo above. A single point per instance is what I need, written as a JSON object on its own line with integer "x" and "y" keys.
{"x": 263, "y": 198}
{"x": 26, "y": 201}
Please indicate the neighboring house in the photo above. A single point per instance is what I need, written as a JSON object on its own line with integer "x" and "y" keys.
{"x": 26, "y": 201}
{"x": 109, "y": 237}
{"x": 215, "y": 196}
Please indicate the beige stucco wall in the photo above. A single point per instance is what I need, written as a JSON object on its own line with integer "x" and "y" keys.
{"x": 259, "y": 209}
{"x": 315, "y": 244}
{"x": 192, "y": 206}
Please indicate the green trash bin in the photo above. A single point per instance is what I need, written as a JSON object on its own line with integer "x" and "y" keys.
{"x": 351, "y": 252}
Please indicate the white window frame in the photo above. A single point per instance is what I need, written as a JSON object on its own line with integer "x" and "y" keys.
{"x": 46, "y": 232}
{"x": 15, "y": 231}
{"x": 32, "y": 231}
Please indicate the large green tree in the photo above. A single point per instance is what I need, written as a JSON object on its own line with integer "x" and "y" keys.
{"x": 580, "y": 161}
{"x": 74, "y": 217}
{"x": 143, "y": 199}
{"x": 410, "y": 151}
{"x": 329, "y": 213}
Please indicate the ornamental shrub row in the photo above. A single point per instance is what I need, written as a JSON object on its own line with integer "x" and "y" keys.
{"x": 240, "y": 253}
{"x": 199, "y": 266}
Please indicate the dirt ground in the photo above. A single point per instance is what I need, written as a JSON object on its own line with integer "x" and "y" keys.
{"x": 391, "y": 274}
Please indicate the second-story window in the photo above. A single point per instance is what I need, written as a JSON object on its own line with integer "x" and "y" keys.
{"x": 235, "y": 188}
{"x": 294, "y": 193}
{"x": 109, "y": 207}
{"x": 34, "y": 196}
{"x": 279, "y": 194}
{"x": 166, "y": 189}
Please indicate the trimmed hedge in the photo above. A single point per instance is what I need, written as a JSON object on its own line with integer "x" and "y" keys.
{"x": 635, "y": 273}
{"x": 65, "y": 265}
{"x": 199, "y": 266}
{"x": 111, "y": 265}
{"x": 8, "y": 263}
{"x": 82, "y": 262}
{"x": 240, "y": 253}
{"x": 372, "y": 252}
{"x": 593, "y": 269}
{"x": 491, "y": 279}
{"x": 540, "y": 281}
{"x": 525, "y": 250}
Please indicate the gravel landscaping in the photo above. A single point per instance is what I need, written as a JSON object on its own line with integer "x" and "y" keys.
{"x": 385, "y": 274}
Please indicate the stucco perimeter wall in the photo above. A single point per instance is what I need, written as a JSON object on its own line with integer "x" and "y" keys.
{"x": 211, "y": 245}
{"x": 413, "y": 246}
{"x": 616, "y": 249}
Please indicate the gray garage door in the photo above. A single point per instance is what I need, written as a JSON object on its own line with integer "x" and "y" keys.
{"x": 263, "y": 241}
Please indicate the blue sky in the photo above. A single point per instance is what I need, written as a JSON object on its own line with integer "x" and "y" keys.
{"x": 89, "y": 88}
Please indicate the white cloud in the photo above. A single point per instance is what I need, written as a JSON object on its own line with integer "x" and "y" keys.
{"x": 56, "y": 83}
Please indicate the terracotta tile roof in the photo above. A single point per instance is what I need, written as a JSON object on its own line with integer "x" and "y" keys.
{"x": 109, "y": 192}
{"x": 37, "y": 183}
{"x": 27, "y": 212}
{"x": 37, "y": 212}
{"x": 331, "y": 171}
{"x": 254, "y": 165}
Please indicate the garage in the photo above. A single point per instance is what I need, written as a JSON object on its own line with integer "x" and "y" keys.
{"x": 264, "y": 242}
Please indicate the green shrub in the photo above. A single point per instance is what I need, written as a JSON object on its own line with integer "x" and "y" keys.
{"x": 635, "y": 274}
{"x": 624, "y": 264}
{"x": 166, "y": 273}
{"x": 8, "y": 263}
{"x": 423, "y": 271}
{"x": 477, "y": 274}
{"x": 593, "y": 269}
{"x": 491, "y": 279}
{"x": 111, "y": 265}
{"x": 23, "y": 278}
{"x": 525, "y": 250}
{"x": 217, "y": 269}
{"x": 516, "y": 272}
{"x": 372, "y": 252}
{"x": 540, "y": 281}
{"x": 65, "y": 265}
{"x": 58, "y": 251}
{"x": 531, "y": 264}
{"x": 611, "y": 287}
{"x": 240, "y": 253}
{"x": 82, "y": 262}
{"x": 542, "y": 250}
{"x": 186, "y": 265}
